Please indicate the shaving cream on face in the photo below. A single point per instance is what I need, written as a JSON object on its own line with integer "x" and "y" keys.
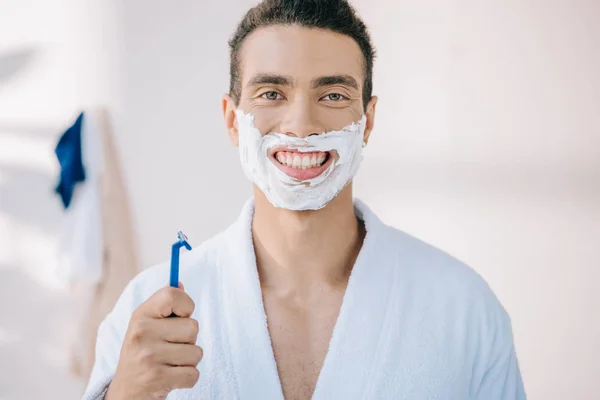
{"x": 282, "y": 190}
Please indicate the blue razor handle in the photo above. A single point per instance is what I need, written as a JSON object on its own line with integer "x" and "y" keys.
{"x": 181, "y": 242}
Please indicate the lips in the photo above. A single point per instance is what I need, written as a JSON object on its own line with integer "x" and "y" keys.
{"x": 301, "y": 165}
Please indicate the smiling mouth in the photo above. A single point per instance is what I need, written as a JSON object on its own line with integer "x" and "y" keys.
{"x": 303, "y": 161}
{"x": 302, "y": 165}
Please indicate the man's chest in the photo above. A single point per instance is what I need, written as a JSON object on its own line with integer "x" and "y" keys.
{"x": 300, "y": 340}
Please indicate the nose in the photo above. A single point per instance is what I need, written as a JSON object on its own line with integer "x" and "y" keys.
{"x": 299, "y": 120}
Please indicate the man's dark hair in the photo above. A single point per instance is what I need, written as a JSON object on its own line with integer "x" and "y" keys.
{"x": 333, "y": 15}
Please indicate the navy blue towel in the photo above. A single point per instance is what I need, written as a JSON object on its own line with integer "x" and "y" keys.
{"x": 68, "y": 151}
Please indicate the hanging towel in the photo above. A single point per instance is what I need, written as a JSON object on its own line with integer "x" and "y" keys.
{"x": 414, "y": 324}
{"x": 80, "y": 248}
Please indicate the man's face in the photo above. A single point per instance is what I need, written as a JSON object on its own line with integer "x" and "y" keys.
{"x": 300, "y": 81}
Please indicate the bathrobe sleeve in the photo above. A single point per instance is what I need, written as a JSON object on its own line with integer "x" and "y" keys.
{"x": 109, "y": 341}
{"x": 499, "y": 368}
{"x": 503, "y": 380}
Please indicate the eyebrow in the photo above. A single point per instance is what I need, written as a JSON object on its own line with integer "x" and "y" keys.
{"x": 283, "y": 80}
{"x": 269, "y": 79}
{"x": 344, "y": 80}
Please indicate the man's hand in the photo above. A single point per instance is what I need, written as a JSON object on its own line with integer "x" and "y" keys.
{"x": 159, "y": 353}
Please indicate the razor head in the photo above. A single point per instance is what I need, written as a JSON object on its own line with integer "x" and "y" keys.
{"x": 183, "y": 240}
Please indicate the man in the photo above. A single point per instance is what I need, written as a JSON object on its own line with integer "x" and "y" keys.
{"x": 308, "y": 294}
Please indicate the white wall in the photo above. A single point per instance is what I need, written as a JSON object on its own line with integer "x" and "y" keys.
{"x": 487, "y": 145}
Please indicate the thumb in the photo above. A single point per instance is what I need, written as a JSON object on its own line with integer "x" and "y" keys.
{"x": 181, "y": 286}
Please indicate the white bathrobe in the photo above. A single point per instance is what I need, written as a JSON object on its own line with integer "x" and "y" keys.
{"x": 415, "y": 324}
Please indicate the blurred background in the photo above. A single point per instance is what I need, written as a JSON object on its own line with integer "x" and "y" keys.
{"x": 486, "y": 144}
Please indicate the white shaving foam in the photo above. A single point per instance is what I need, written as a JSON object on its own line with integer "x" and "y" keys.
{"x": 282, "y": 190}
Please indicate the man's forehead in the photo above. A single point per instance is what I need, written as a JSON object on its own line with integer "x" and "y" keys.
{"x": 302, "y": 54}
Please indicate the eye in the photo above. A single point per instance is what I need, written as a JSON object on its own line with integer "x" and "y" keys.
{"x": 334, "y": 97}
{"x": 272, "y": 95}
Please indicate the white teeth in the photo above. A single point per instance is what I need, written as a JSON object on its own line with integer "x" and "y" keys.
{"x": 299, "y": 160}
{"x": 305, "y": 162}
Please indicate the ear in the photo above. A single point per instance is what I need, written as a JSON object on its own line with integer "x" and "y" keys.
{"x": 229, "y": 107}
{"x": 370, "y": 113}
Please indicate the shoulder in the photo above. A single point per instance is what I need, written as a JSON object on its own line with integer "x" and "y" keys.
{"x": 446, "y": 295}
{"x": 438, "y": 277}
{"x": 422, "y": 260}
{"x": 426, "y": 269}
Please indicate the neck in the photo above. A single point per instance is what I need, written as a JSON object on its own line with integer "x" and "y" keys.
{"x": 297, "y": 251}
